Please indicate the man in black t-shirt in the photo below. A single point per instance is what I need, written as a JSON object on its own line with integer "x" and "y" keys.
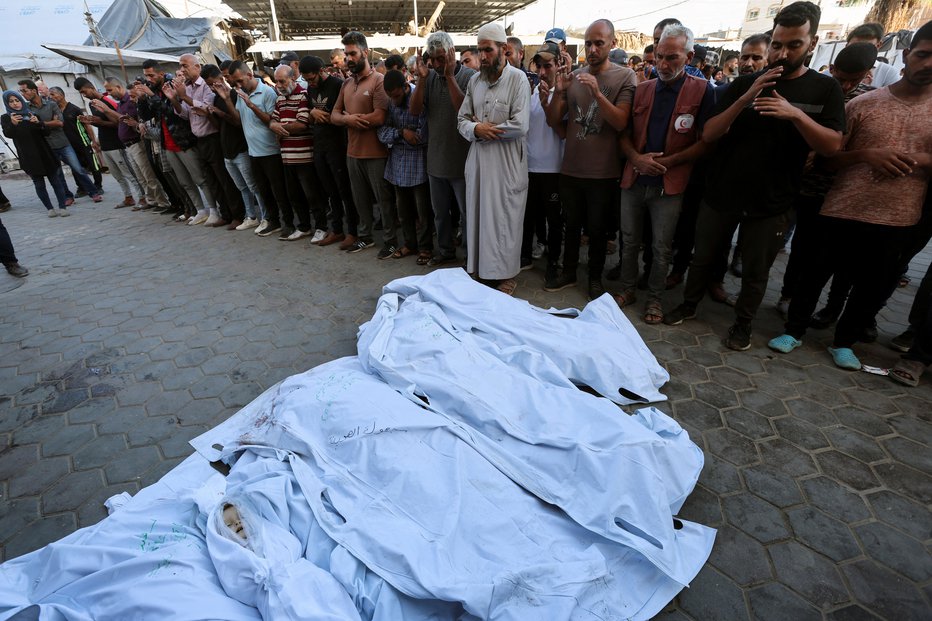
{"x": 775, "y": 117}
{"x": 330, "y": 152}
{"x": 110, "y": 145}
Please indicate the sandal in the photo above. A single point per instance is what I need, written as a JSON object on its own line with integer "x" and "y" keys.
{"x": 908, "y": 372}
{"x": 402, "y": 252}
{"x": 423, "y": 258}
{"x": 903, "y": 281}
{"x": 653, "y": 313}
{"x": 626, "y": 299}
{"x": 508, "y": 286}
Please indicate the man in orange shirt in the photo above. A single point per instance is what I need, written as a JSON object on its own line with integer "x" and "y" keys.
{"x": 361, "y": 108}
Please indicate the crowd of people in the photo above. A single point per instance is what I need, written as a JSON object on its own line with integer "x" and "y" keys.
{"x": 508, "y": 160}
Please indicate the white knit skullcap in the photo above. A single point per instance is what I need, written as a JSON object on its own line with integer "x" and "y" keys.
{"x": 492, "y": 32}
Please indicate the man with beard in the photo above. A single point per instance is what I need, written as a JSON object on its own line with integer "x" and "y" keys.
{"x": 660, "y": 148}
{"x": 597, "y": 101}
{"x": 777, "y": 117}
{"x": 868, "y": 215}
{"x": 494, "y": 118}
{"x": 440, "y": 90}
{"x": 362, "y": 107}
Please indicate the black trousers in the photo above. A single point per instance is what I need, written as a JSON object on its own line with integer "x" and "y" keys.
{"x": 866, "y": 254}
{"x": 416, "y": 217}
{"x": 543, "y": 202}
{"x": 334, "y": 179}
{"x": 762, "y": 239}
{"x": 7, "y": 255}
{"x": 593, "y": 204}
{"x": 270, "y": 177}
{"x": 305, "y": 198}
{"x": 805, "y": 242}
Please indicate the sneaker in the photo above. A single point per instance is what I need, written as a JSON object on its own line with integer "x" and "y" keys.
{"x": 785, "y": 343}
{"x": 739, "y": 337}
{"x": 262, "y": 226}
{"x": 824, "y": 318}
{"x": 69, "y": 202}
{"x": 15, "y": 269}
{"x": 198, "y": 219}
{"x": 286, "y": 233}
{"x": 361, "y": 244}
{"x": 904, "y": 342}
{"x": 596, "y": 288}
{"x": 212, "y": 220}
{"x": 318, "y": 236}
{"x": 296, "y": 235}
{"x": 53, "y": 213}
{"x": 526, "y": 264}
{"x": 331, "y": 238}
{"x": 248, "y": 223}
{"x": 680, "y": 314}
{"x": 386, "y": 252}
{"x": 844, "y": 357}
{"x": 537, "y": 251}
{"x": 783, "y": 307}
{"x": 64, "y": 213}
{"x": 550, "y": 277}
{"x": 270, "y": 229}
{"x": 564, "y": 281}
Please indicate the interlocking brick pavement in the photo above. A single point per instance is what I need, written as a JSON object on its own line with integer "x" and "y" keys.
{"x": 133, "y": 334}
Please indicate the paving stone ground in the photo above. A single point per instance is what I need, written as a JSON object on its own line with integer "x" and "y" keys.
{"x": 133, "y": 334}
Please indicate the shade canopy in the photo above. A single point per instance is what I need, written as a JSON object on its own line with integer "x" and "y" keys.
{"x": 303, "y": 18}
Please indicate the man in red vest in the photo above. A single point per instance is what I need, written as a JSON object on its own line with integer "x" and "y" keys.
{"x": 660, "y": 146}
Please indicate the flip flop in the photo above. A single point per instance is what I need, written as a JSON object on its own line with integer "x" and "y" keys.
{"x": 653, "y": 313}
{"x": 907, "y": 372}
{"x": 508, "y": 286}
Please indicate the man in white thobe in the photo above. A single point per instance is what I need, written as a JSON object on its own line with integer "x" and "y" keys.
{"x": 494, "y": 119}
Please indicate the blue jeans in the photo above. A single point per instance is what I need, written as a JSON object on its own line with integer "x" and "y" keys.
{"x": 240, "y": 169}
{"x": 66, "y": 155}
{"x": 58, "y": 185}
{"x": 444, "y": 195}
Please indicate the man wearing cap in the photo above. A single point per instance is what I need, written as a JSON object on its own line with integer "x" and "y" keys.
{"x": 291, "y": 59}
{"x": 545, "y": 156}
{"x": 660, "y": 147}
{"x": 596, "y": 100}
{"x": 440, "y": 92}
{"x": 494, "y": 118}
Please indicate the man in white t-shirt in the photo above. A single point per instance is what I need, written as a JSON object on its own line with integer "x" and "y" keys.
{"x": 545, "y": 157}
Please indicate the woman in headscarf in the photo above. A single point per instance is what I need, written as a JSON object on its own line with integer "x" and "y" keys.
{"x": 35, "y": 156}
{"x": 81, "y": 136}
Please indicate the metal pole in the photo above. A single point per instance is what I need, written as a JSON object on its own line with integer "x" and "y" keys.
{"x": 554, "y": 23}
{"x": 417, "y": 25}
{"x": 276, "y": 35}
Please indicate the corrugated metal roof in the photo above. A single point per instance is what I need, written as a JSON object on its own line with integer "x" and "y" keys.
{"x": 301, "y": 18}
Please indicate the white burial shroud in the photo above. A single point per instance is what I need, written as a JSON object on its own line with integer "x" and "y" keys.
{"x": 451, "y": 471}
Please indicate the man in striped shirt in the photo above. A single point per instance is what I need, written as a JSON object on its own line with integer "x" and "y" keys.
{"x": 291, "y": 120}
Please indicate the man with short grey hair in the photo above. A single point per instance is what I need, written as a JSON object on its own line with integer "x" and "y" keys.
{"x": 660, "y": 146}
{"x": 440, "y": 92}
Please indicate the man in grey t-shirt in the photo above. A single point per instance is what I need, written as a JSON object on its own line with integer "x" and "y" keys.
{"x": 440, "y": 92}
